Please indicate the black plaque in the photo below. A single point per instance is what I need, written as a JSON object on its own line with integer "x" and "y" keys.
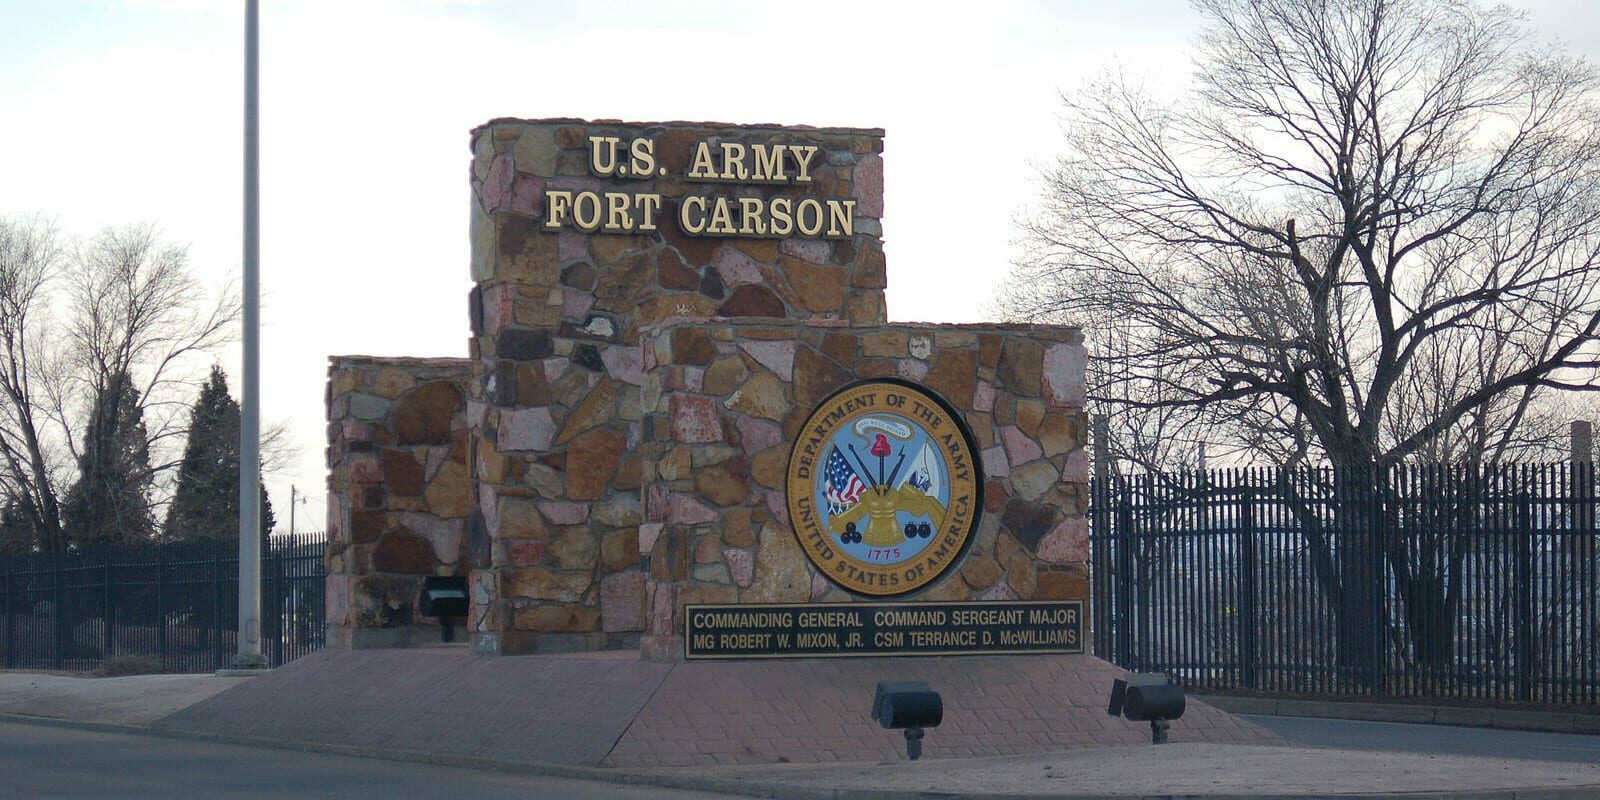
{"x": 832, "y": 630}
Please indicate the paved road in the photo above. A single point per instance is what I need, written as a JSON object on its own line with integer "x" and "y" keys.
{"x": 49, "y": 762}
{"x": 1346, "y": 734}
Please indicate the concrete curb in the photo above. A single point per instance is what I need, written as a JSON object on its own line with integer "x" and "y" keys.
{"x": 778, "y": 791}
{"x": 1502, "y": 719}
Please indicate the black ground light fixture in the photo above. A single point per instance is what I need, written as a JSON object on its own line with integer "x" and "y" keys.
{"x": 445, "y": 597}
{"x": 1147, "y": 697}
{"x": 909, "y": 706}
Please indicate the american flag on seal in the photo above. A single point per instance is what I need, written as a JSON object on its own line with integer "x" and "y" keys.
{"x": 844, "y": 487}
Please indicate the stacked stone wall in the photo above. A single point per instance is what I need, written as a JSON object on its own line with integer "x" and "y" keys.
{"x": 560, "y": 373}
{"x": 725, "y": 401}
{"x": 399, "y": 492}
{"x": 613, "y": 447}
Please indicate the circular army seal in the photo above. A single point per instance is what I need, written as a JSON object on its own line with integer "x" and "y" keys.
{"x": 884, "y": 487}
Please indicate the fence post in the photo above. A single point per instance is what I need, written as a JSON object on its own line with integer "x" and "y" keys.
{"x": 1122, "y": 536}
{"x": 161, "y": 614}
{"x": 105, "y": 609}
{"x": 57, "y": 615}
{"x": 216, "y": 609}
{"x": 11, "y": 623}
{"x": 1524, "y": 613}
{"x": 284, "y": 588}
{"x": 1380, "y": 575}
{"x": 1247, "y": 587}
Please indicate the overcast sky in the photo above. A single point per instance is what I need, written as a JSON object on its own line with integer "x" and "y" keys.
{"x": 120, "y": 112}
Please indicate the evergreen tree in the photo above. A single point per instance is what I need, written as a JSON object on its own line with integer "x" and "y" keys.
{"x": 111, "y": 501}
{"x": 206, "y": 502}
{"x": 16, "y": 534}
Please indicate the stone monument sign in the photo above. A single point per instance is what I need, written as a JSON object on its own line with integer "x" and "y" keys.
{"x": 684, "y": 425}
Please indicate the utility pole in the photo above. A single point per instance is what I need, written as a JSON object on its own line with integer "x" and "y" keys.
{"x": 249, "y": 656}
{"x": 295, "y": 498}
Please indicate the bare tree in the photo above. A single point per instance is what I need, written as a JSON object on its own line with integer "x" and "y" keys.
{"x": 1353, "y": 190}
{"x": 136, "y": 327}
{"x": 1369, "y": 233}
{"x": 30, "y": 468}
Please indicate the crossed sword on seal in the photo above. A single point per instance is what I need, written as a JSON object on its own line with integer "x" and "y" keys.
{"x": 880, "y": 502}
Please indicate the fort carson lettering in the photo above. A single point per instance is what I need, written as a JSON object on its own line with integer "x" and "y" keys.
{"x": 627, "y": 212}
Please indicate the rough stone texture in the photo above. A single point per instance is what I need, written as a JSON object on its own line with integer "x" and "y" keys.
{"x": 705, "y": 484}
{"x": 398, "y": 490}
{"x": 615, "y": 446}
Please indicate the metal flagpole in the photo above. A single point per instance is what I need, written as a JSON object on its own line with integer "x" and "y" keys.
{"x": 250, "y": 402}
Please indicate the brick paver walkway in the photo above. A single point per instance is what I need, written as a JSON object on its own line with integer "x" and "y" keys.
{"x": 819, "y": 710}
{"x": 555, "y": 710}
{"x": 614, "y": 710}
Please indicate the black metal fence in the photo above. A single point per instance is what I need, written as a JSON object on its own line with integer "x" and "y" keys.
{"x": 1442, "y": 582}
{"x": 177, "y": 604}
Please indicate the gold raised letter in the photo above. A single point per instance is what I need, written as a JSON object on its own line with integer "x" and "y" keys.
{"x": 643, "y": 164}
{"x": 696, "y": 226}
{"x": 701, "y": 169}
{"x": 814, "y": 225}
{"x": 769, "y": 162}
{"x": 750, "y": 221}
{"x": 605, "y": 164}
{"x": 802, "y": 159}
{"x": 721, "y": 217}
{"x": 648, "y": 205}
{"x": 588, "y": 220}
{"x": 841, "y": 218}
{"x": 782, "y": 211}
{"x": 732, "y": 158}
{"x": 557, "y": 203}
{"x": 617, "y": 216}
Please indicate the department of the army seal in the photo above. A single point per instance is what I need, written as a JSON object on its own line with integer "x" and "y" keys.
{"x": 884, "y": 487}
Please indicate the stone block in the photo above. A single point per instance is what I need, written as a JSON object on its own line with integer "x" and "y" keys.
{"x": 402, "y": 552}
{"x": 1063, "y": 378}
{"x": 670, "y": 559}
{"x": 530, "y": 429}
{"x": 1020, "y": 448}
{"x": 782, "y": 572}
{"x": 1029, "y": 522}
{"x": 1032, "y": 480}
{"x": 1061, "y": 586}
{"x": 564, "y": 513}
{"x": 557, "y": 618}
{"x": 752, "y": 300}
{"x": 518, "y": 518}
{"x": 619, "y": 550}
{"x": 1067, "y": 542}
{"x": 760, "y": 396}
{"x": 598, "y": 407}
{"x": 721, "y": 485}
{"x": 884, "y": 344}
{"x": 736, "y": 528}
{"x": 777, "y": 356}
{"x": 592, "y": 460}
{"x": 539, "y": 583}
{"x": 574, "y": 548}
{"x": 954, "y": 376}
{"x": 695, "y": 419}
{"x": 1020, "y": 367}
{"x": 449, "y": 494}
{"x": 622, "y": 602}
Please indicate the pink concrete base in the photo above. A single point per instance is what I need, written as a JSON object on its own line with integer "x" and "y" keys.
{"x": 615, "y": 710}
{"x": 818, "y": 710}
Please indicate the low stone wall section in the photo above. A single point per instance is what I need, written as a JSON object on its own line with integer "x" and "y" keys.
{"x": 725, "y": 400}
{"x": 399, "y": 492}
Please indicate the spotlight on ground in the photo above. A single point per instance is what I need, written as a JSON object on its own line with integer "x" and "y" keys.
{"x": 445, "y": 597}
{"x": 1147, "y": 697}
{"x": 909, "y": 706}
